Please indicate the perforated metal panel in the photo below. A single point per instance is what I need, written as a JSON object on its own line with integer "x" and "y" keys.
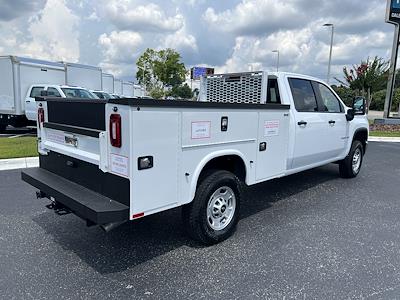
{"x": 234, "y": 88}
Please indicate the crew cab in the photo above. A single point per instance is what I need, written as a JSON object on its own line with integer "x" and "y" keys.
{"x": 113, "y": 161}
{"x": 52, "y": 90}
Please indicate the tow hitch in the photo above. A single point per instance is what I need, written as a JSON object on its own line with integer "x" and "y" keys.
{"x": 58, "y": 208}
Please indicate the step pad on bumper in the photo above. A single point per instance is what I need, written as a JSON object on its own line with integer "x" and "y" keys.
{"x": 83, "y": 202}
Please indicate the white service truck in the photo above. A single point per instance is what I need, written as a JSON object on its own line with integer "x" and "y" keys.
{"x": 110, "y": 162}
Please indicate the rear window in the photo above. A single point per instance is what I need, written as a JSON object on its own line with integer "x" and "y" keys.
{"x": 36, "y": 91}
{"x": 77, "y": 93}
{"x": 53, "y": 92}
{"x": 303, "y": 95}
{"x": 273, "y": 95}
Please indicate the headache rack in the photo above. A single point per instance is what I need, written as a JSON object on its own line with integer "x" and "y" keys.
{"x": 248, "y": 87}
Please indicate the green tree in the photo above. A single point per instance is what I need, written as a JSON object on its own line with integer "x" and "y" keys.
{"x": 366, "y": 78}
{"x": 158, "y": 70}
{"x": 181, "y": 92}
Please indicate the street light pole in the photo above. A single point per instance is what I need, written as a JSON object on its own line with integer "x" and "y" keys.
{"x": 277, "y": 63}
{"x": 330, "y": 51}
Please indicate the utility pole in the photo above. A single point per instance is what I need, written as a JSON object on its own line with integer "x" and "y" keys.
{"x": 277, "y": 62}
{"x": 330, "y": 51}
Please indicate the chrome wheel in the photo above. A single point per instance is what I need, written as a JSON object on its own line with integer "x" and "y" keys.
{"x": 221, "y": 208}
{"x": 356, "y": 162}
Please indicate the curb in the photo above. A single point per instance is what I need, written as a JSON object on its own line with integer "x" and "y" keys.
{"x": 19, "y": 163}
{"x": 384, "y": 139}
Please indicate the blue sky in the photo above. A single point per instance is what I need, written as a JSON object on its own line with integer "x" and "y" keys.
{"x": 231, "y": 36}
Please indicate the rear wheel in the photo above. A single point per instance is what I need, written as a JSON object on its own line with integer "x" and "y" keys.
{"x": 351, "y": 165}
{"x": 213, "y": 214}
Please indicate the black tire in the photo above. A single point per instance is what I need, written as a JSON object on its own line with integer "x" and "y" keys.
{"x": 346, "y": 169}
{"x": 194, "y": 214}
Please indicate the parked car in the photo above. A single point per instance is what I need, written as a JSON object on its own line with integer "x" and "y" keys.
{"x": 110, "y": 162}
{"x": 52, "y": 90}
{"x": 102, "y": 95}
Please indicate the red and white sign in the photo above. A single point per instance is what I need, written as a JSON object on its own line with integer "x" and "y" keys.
{"x": 271, "y": 128}
{"x": 119, "y": 164}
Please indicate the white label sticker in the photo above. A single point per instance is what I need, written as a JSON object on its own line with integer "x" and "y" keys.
{"x": 201, "y": 130}
{"x": 271, "y": 128}
{"x": 119, "y": 164}
{"x": 55, "y": 137}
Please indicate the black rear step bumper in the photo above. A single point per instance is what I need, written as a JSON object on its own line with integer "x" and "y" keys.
{"x": 83, "y": 202}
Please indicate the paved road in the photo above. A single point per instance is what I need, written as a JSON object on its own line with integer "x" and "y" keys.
{"x": 311, "y": 235}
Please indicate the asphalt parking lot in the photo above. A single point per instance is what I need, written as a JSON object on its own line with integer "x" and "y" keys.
{"x": 310, "y": 235}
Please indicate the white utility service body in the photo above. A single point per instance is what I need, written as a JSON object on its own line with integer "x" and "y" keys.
{"x": 166, "y": 149}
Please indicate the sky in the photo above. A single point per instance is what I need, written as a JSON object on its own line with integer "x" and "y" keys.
{"x": 229, "y": 35}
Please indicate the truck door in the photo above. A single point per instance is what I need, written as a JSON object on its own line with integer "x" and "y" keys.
{"x": 30, "y": 103}
{"x": 310, "y": 125}
{"x": 334, "y": 116}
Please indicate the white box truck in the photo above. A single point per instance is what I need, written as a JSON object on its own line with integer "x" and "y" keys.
{"x": 127, "y": 89}
{"x": 118, "y": 87}
{"x": 123, "y": 159}
{"x": 107, "y": 83}
{"x": 138, "y": 91}
{"x": 88, "y": 77}
{"x": 17, "y": 74}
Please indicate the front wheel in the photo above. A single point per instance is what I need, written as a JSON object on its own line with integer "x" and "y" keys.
{"x": 351, "y": 165}
{"x": 214, "y": 213}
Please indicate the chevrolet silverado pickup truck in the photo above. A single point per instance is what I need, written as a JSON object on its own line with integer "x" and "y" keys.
{"x": 123, "y": 159}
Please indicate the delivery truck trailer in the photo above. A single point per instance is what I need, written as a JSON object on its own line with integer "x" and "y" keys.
{"x": 107, "y": 83}
{"x": 118, "y": 87}
{"x": 17, "y": 74}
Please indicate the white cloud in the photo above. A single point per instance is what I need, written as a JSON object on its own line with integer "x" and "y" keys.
{"x": 254, "y": 17}
{"x": 126, "y": 15}
{"x": 120, "y": 50}
{"x": 53, "y": 34}
{"x": 181, "y": 41}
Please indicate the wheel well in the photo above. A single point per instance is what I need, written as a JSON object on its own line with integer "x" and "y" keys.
{"x": 362, "y": 136}
{"x": 231, "y": 163}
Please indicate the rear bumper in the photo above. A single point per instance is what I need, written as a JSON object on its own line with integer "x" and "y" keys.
{"x": 83, "y": 202}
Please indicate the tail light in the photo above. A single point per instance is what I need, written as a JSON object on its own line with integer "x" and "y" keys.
{"x": 115, "y": 130}
{"x": 40, "y": 116}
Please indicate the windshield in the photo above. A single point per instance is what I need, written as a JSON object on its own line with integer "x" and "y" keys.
{"x": 77, "y": 93}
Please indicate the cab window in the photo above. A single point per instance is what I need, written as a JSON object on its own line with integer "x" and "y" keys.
{"x": 303, "y": 95}
{"x": 329, "y": 101}
{"x": 273, "y": 95}
{"x": 36, "y": 91}
{"x": 53, "y": 92}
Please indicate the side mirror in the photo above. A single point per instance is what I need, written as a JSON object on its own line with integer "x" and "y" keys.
{"x": 350, "y": 115}
{"x": 359, "y": 106}
{"x": 43, "y": 93}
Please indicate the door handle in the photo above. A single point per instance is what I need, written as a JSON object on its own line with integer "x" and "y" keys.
{"x": 331, "y": 122}
{"x": 301, "y": 123}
